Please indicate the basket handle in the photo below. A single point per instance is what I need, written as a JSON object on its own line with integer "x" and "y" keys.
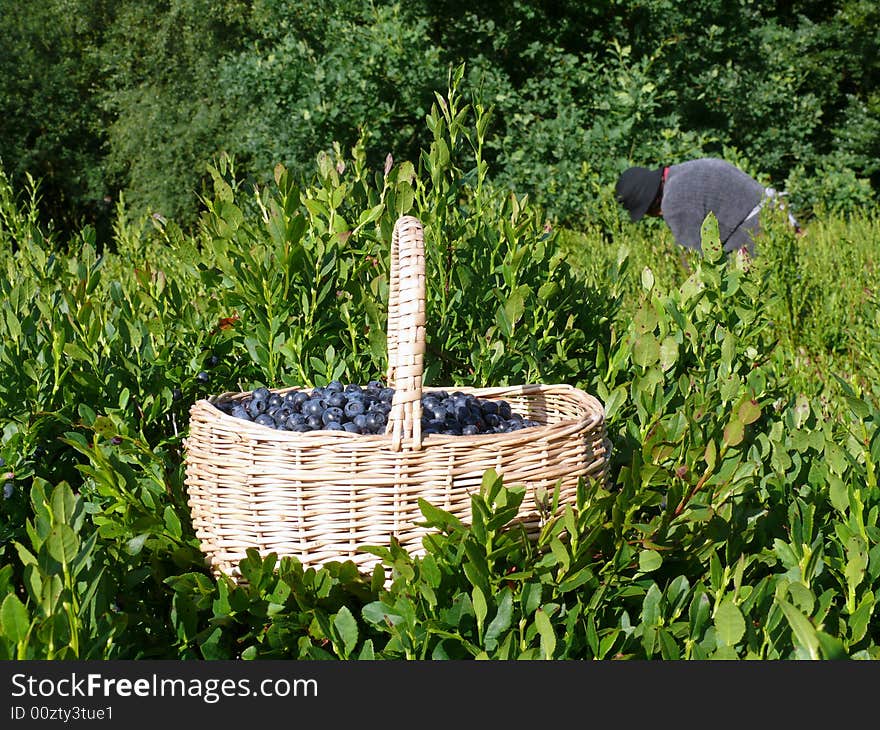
{"x": 406, "y": 332}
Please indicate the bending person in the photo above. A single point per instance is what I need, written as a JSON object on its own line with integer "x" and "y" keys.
{"x": 684, "y": 194}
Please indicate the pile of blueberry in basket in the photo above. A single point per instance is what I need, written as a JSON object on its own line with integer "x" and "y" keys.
{"x": 365, "y": 409}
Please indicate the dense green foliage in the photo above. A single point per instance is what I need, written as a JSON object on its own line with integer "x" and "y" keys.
{"x": 741, "y": 515}
{"x": 131, "y": 100}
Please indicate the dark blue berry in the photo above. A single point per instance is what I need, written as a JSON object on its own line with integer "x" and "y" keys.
{"x": 261, "y": 393}
{"x": 331, "y": 415}
{"x": 376, "y": 421}
{"x": 386, "y": 395}
{"x": 354, "y": 407}
{"x": 313, "y": 407}
{"x": 257, "y": 407}
{"x": 240, "y": 412}
{"x": 265, "y": 419}
{"x": 336, "y": 399}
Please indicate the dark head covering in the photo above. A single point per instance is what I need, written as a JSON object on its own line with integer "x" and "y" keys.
{"x": 636, "y": 189}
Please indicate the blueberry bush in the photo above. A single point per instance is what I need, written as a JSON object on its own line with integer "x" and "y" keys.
{"x": 740, "y": 516}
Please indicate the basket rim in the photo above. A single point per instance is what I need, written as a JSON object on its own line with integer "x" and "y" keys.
{"x": 595, "y": 414}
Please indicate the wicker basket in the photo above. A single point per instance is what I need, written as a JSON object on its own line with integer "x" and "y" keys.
{"x": 321, "y": 495}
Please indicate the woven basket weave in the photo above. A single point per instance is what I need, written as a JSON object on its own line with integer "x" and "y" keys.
{"x": 320, "y": 495}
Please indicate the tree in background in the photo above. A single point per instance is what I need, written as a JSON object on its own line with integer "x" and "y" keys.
{"x": 52, "y": 125}
{"x": 136, "y": 98}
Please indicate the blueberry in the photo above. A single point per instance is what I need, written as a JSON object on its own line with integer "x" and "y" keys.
{"x": 299, "y": 397}
{"x": 379, "y": 407}
{"x": 241, "y": 412}
{"x": 314, "y": 423}
{"x": 261, "y": 393}
{"x": 360, "y": 420}
{"x": 376, "y": 421}
{"x": 334, "y": 426}
{"x": 334, "y": 386}
{"x": 176, "y": 394}
{"x": 331, "y": 415}
{"x": 295, "y": 419}
{"x": 488, "y": 407}
{"x": 257, "y": 407}
{"x": 492, "y": 420}
{"x": 265, "y": 420}
{"x": 275, "y": 400}
{"x": 313, "y": 407}
{"x": 301, "y": 427}
{"x": 354, "y": 407}
{"x": 203, "y": 377}
{"x": 386, "y": 395}
{"x": 351, "y": 427}
{"x": 504, "y": 409}
{"x": 469, "y": 430}
{"x": 213, "y": 361}
{"x": 374, "y": 385}
{"x": 353, "y": 389}
{"x": 336, "y": 399}
{"x": 2, "y": 462}
{"x": 8, "y": 490}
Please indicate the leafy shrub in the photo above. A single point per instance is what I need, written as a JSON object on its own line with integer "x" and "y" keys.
{"x": 740, "y": 520}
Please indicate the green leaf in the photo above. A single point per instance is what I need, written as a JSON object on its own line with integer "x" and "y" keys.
{"x": 379, "y": 614}
{"x": 480, "y": 608}
{"x": 734, "y": 432}
{"x": 729, "y": 623}
{"x": 14, "y": 619}
{"x": 711, "y": 239}
{"x": 649, "y": 560}
{"x": 668, "y": 353}
{"x": 803, "y": 630}
{"x": 545, "y": 630}
{"x": 63, "y": 544}
{"x": 646, "y": 350}
{"x": 857, "y": 561}
{"x": 502, "y": 620}
{"x": 831, "y": 647}
{"x": 749, "y": 411}
{"x": 172, "y": 522}
{"x": 838, "y": 493}
{"x": 63, "y": 503}
{"x": 346, "y": 627}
